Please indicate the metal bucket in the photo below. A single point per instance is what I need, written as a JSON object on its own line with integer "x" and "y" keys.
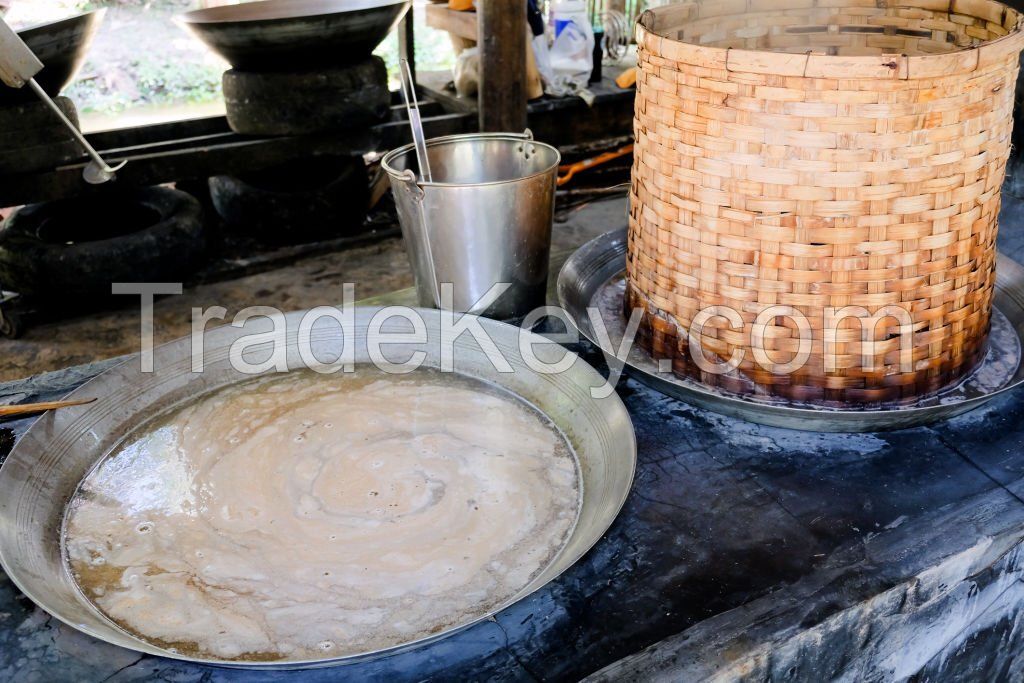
{"x": 487, "y": 214}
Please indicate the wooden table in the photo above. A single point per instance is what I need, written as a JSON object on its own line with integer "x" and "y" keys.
{"x": 746, "y": 551}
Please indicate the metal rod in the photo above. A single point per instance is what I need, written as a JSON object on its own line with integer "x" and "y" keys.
{"x": 413, "y": 107}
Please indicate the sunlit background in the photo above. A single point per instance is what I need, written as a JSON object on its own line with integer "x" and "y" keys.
{"x": 143, "y": 67}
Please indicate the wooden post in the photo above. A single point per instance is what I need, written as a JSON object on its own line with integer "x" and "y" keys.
{"x": 407, "y": 42}
{"x": 502, "y": 98}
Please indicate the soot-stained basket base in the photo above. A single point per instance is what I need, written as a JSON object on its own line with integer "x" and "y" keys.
{"x": 666, "y": 342}
{"x": 593, "y": 278}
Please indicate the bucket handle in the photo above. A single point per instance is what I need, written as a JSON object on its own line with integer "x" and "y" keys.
{"x": 412, "y": 184}
{"x": 527, "y": 150}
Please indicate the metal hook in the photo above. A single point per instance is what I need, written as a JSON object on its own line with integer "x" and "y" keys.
{"x": 412, "y": 185}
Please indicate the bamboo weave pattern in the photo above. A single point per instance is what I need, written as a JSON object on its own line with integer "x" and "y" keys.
{"x": 821, "y": 155}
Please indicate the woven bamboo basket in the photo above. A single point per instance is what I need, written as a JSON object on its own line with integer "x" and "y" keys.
{"x": 815, "y": 192}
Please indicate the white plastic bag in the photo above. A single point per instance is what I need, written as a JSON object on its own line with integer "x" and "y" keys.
{"x": 572, "y": 53}
{"x": 542, "y": 55}
{"x": 467, "y": 72}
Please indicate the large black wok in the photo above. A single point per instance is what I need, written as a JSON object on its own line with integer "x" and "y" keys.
{"x": 61, "y": 46}
{"x": 282, "y": 34}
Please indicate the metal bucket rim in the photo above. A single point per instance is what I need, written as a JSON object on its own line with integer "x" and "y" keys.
{"x": 450, "y": 139}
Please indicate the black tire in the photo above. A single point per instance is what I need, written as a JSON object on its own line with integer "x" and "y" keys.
{"x": 32, "y": 138}
{"x": 303, "y": 102}
{"x": 11, "y": 324}
{"x": 74, "y": 249}
{"x": 305, "y": 200}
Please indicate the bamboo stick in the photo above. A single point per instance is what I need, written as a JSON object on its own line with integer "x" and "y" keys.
{"x": 32, "y": 408}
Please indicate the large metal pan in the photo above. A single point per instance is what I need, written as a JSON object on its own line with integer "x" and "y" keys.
{"x": 61, "y": 46}
{"x": 46, "y": 466}
{"x": 282, "y": 34}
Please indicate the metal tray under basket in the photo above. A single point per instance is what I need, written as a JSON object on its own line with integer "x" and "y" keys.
{"x": 594, "y": 277}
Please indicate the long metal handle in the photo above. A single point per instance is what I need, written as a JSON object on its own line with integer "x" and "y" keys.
{"x": 18, "y": 67}
{"x": 96, "y": 172}
{"x": 413, "y": 107}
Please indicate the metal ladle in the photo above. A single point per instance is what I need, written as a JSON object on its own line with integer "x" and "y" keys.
{"x": 415, "y": 122}
{"x": 18, "y": 67}
{"x": 419, "y": 140}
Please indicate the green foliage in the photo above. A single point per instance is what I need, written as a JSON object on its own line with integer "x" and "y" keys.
{"x": 433, "y": 50}
{"x": 153, "y": 68}
{"x": 178, "y": 81}
{"x": 433, "y": 53}
{"x": 156, "y": 82}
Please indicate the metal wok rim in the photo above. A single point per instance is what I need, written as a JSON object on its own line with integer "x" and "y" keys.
{"x": 385, "y": 162}
{"x": 62, "y": 46}
{"x": 45, "y": 431}
{"x": 208, "y": 15}
{"x": 576, "y": 280}
{"x": 100, "y": 11}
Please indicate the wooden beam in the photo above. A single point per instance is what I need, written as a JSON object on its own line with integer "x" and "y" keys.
{"x": 502, "y": 65}
{"x": 202, "y": 156}
{"x": 461, "y": 24}
{"x": 407, "y": 43}
{"x": 197, "y": 148}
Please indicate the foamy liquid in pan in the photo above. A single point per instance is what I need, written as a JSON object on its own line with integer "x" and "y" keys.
{"x": 304, "y": 516}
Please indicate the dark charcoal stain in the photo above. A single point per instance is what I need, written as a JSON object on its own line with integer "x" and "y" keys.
{"x": 725, "y": 512}
{"x": 6, "y": 443}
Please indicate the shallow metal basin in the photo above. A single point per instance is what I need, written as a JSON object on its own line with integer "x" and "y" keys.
{"x": 62, "y": 47}
{"x": 282, "y": 34}
{"x": 598, "y": 265}
{"x": 43, "y": 471}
